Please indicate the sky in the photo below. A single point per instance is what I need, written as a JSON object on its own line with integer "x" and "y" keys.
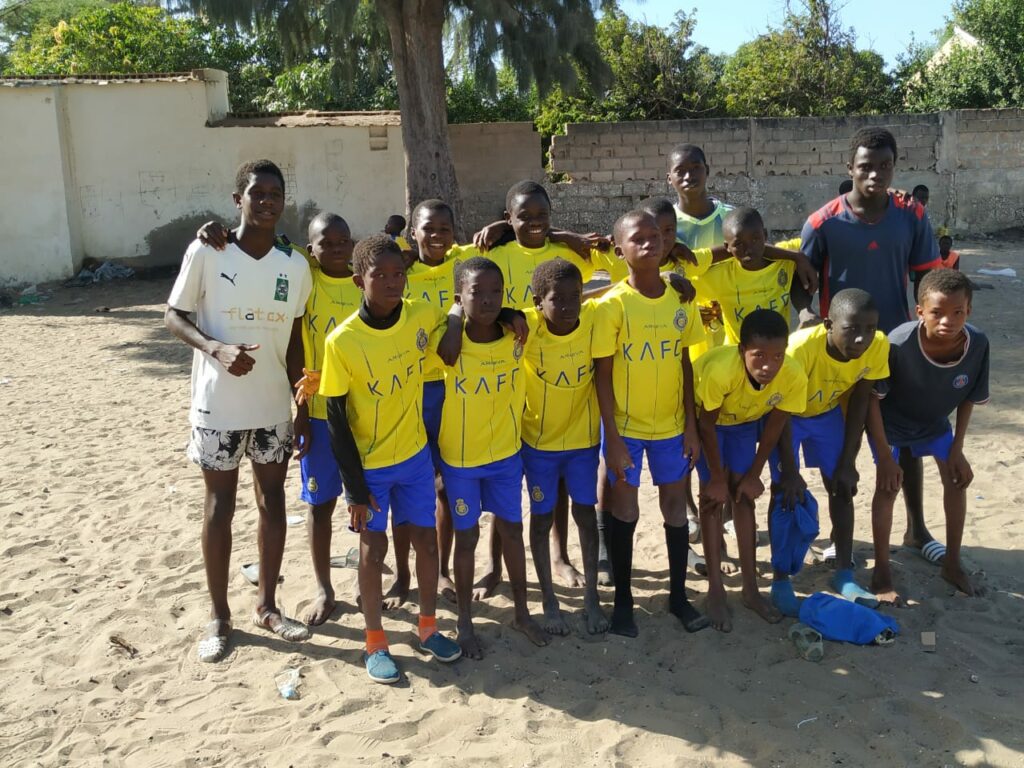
{"x": 884, "y": 26}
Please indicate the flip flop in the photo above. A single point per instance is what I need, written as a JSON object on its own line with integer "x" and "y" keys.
{"x": 288, "y": 629}
{"x": 885, "y": 637}
{"x": 808, "y": 642}
{"x": 251, "y": 573}
{"x": 697, "y": 563}
{"x": 213, "y": 647}
{"x": 933, "y": 551}
{"x": 828, "y": 555}
{"x": 349, "y": 560}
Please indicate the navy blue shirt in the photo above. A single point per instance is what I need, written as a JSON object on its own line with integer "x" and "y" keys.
{"x": 851, "y": 253}
{"x": 920, "y": 393}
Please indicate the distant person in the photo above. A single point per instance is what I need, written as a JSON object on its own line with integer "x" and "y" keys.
{"x": 921, "y": 194}
{"x": 393, "y": 228}
{"x": 248, "y": 300}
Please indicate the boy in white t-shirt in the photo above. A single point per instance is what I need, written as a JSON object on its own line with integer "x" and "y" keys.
{"x": 248, "y": 300}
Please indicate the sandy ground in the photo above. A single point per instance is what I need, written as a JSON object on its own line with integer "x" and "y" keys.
{"x": 101, "y": 518}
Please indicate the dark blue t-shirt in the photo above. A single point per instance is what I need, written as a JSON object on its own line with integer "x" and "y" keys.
{"x": 850, "y": 253}
{"x": 920, "y": 393}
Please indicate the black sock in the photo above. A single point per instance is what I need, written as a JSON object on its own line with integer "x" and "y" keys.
{"x": 677, "y": 540}
{"x": 602, "y": 533}
{"x": 620, "y": 548}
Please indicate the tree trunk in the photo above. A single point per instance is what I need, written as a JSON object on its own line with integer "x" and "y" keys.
{"x": 416, "y": 28}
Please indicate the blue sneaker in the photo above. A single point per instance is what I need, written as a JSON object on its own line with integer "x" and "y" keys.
{"x": 843, "y": 583}
{"x": 382, "y": 668}
{"x": 441, "y": 648}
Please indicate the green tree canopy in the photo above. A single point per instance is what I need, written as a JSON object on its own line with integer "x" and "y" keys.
{"x": 123, "y": 38}
{"x": 657, "y": 74}
{"x": 809, "y": 66}
{"x": 990, "y": 74}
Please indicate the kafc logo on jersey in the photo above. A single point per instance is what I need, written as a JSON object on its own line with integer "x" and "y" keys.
{"x": 680, "y": 320}
{"x": 782, "y": 279}
{"x": 517, "y": 350}
{"x": 461, "y": 507}
{"x": 775, "y": 399}
{"x": 537, "y": 494}
{"x": 421, "y": 339}
{"x": 960, "y": 381}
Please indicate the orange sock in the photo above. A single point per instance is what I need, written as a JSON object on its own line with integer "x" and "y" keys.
{"x": 376, "y": 640}
{"x": 428, "y": 626}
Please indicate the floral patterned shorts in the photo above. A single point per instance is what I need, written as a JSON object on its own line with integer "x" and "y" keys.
{"x": 222, "y": 450}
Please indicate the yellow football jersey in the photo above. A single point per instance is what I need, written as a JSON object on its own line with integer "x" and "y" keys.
{"x": 518, "y": 262}
{"x": 827, "y": 378}
{"x": 561, "y": 402}
{"x": 740, "y": 291}
{"x": 331, "y": 300}
{"x": 618, "y": 270}
{"x": 647, "y": 339}
{"x": 484, "y": 396}
{"x": 381, "y": 371}
{"x": 722, "y": 383}
{"x": 436, "y": 285}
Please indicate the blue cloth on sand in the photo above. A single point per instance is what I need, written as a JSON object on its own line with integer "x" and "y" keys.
{"x": 792, "y": 531}
{"x": 838, "y": 619}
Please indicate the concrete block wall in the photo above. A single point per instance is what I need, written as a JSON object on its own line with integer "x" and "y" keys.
{"x": 788, "y": 167}
{"x": 489, "y": 158}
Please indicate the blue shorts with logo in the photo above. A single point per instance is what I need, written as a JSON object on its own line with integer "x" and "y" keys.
{"x": 545, "y": 468}
{"x": 939, "y": 447}
{"x": 821, "y": 439}
{"x": 321, "y": 478}
{"x": 405, "y": 491}
{"x": 737, "y": 444}
{"x": 433, "y": 400}
{"x": 665, "y": 460}
{"x": 496, "y": 487}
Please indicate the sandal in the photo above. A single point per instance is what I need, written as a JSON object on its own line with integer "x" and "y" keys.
{"x": 286, "y": 629}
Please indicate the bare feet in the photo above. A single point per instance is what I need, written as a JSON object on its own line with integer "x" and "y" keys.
{"x": 604, "y": 574}
{"x": 469, "y": 643}
{"x": 396, "y": 595}
{"x": 959, "y": 579}
{"x": 881, "y": 586}
{"x": 596, "y": 621}
{"x": 531, "y": 629}
{"x": 729, "y": 566}
{"x": 762, "y": 606}
{"x": 568, "y": 574}
{"x": 554, "y": 622}
{"x": 486, "y": 586}
{"x": 446, "y": 588}
{"x": 320, "y": 610}
{"x": 717, "y": 611}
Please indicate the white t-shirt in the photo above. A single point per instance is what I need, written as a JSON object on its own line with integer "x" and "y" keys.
{"x": 241, "y": 300}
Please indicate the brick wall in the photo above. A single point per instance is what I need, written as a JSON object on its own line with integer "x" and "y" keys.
{"x": 489, "y": 158}
{"x": 972, "y": 160}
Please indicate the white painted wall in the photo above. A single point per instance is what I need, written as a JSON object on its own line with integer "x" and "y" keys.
{"x": 128, "y": 170}
{"x": 35, "y": 236}
{"x": 143, "y": 169}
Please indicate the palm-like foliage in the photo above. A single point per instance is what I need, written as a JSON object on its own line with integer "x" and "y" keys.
{"x": 544, "y": 42}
